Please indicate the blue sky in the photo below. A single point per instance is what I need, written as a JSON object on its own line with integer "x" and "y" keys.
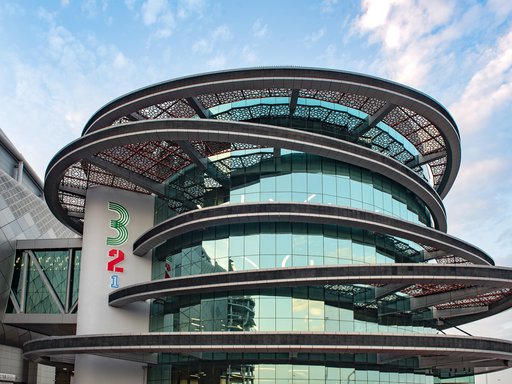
{"x": 62, "y": 60}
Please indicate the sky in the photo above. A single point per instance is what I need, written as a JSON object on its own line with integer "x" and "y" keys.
{"x": 60, "y": 61}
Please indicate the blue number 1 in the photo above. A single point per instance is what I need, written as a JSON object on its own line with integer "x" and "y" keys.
{"x": 114, "y": 281}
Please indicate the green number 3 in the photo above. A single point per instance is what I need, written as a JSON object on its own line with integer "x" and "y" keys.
{"x": 119, "y": 225}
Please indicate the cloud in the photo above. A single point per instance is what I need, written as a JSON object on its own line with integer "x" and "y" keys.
{"x": 152, "y": 10}
{"x": 130, "y": 4}
{"x": 188, "y": 7}
{"x": 221, "y": 33}
{"x": 410, "y": 45}
{"x": 489, "y": 89}
{"x": 484, "y": 172}
{"x": 314, "y": 37}
{"x": 58, "y": 90}
{"x": 217, "y": 62}
{"x": 45, "y": 15}
{"x": 91, "y": 8}
{"x": 502, "y": 8}
{"x": 478, "y": 196}
{"x": 10, "y": 9}
{"x": 259, "y": 30}
{"x": 249, "y": 55}
{"x": 206, "y": 45}
{"x": 327, "y": 6}
{"x": 164, "y": 16}
{"x": 64, "y": 3}
{"x": 158, "y": 13}
{"x": 202, "y": 46}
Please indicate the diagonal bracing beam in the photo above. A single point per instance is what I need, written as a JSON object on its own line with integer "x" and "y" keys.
{"x": 372, "y": 120}
{"x": 202, "y": 162}
{"x": 143, "y": 182}
{"x": 424, "y": 159}
{"x": 446, "y": 297}
{"x": 293, "y": 100}
{"x": 388, "y": 289}
{"x": 198, "y": 107}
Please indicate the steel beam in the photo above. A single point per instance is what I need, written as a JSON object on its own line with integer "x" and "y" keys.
{"x": 73, "y": 190}
{"x": 456, "y": 312}
{"x": 433, "y": 255}
{"x": 193, "y": 153}
{"x": 24, "y": 276}
{"x": 372, "y": 120}
{"x": 76, "y": 215}
{"x": 424, "y": 159}
{"x": 14, "y": 302}
{"x": 388, "y": 289}
{"x": 68, "y": 281}
{"x": 446, "y": 297}
{"x": 293, "y": 100}
{"x": 198, "y": 107}
{"x": 202, "y": 162}
{"x": 142, "y": 181}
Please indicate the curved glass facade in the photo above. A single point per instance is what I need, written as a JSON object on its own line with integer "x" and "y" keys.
{"x": 277, "y": 245}
{"x": 331, "y": 308}
{"x": 194, "y": 371}
{"x": 258, "y": 176}
{"x": 264, "y": 175}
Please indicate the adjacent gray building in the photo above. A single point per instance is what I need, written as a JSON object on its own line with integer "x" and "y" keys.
{"x": 23, "y": 215}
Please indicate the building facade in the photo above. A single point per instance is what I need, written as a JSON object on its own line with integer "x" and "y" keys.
{"x": 271, "y": 225}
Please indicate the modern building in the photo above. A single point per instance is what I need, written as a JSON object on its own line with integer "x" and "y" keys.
{"x": 268, "y": 225}
{"x": 24, "y": 215}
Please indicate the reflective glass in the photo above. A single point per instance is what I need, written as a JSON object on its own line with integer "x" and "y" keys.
{"x": 296, "y": 177}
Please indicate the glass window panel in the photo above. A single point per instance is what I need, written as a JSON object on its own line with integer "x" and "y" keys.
{"x": 252, "y": 244}
{"x": 267, "y": 242}
{"x": 299, "y": 197}
{"x": 300, "y": 308}
{"x": 343, "y": 187}
{"x": 284, "y": 196}
{"x": 299, "y": 182}
{"x": 300, "y": 260}
{"x": 251, "y": 262}
{"x": 284, "y": 183}
{"x": 252, "y": 197}
{"x": 267, "y": 196}
{"x": 329, "y": 185}
{"x": 268, "y": 184}
{"x": 267, "y": 307}
{"x": 236, "y": 246}
{"x": 284, "y": 307}
{"x": 283, "y": 324}
{"x": 315, "y": 244}
{"x": 283, "y": 243}
{"x": 221, "y": 248}
{"x": 314, "y": 184}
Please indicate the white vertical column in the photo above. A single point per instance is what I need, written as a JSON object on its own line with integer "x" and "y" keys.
{"x": 113, "y": 220}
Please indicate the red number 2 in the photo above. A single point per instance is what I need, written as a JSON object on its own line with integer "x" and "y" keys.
{"x": 119, "y": 256}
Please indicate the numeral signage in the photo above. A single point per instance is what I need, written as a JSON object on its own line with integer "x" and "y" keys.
{"x": 115, "y": 255}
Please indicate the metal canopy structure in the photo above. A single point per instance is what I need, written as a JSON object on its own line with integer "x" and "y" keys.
{"x": 386, "y": 117}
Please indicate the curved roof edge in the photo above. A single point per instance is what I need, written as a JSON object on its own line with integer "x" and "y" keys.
{"x": 312, "y": 72}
